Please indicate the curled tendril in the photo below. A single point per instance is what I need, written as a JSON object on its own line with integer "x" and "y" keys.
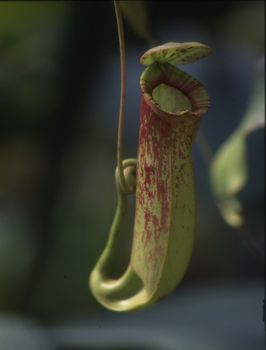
{"x": 172, "y": 106}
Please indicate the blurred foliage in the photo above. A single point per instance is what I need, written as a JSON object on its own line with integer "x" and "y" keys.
{"x": 245, "y": 25}
{"x": 136, "y": 13}
{"x": 57, "y": 190}
{"x": 228, "y": 170}
{"x": 30, "y": 33}
{"x": 19, "y": 18}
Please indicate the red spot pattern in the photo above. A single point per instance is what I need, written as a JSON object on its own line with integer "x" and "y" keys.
{"x": 164, "y": 176}
{"x": 154, "y": 173}
{"x": 163, "y": 148}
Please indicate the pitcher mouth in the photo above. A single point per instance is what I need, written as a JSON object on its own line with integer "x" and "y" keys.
{"x": 192, "y": 100}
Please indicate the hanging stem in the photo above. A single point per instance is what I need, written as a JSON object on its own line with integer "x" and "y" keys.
{"x": 120, "y": 29}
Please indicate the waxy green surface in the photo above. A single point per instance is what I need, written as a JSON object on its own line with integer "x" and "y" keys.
{"x": 172, "y": 106}
{"x": 175, "y": 53}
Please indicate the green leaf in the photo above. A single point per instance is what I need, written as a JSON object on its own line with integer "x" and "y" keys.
{"x": 228, "y": 170}
{"x": 136, "y": 13}
{"x": 255, "y": 115}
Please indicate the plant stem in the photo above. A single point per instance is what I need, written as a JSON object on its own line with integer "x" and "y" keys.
{"x": 120, "y": 29}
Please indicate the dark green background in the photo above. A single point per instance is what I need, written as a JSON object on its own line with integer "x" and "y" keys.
{"x": 59, "y": 100}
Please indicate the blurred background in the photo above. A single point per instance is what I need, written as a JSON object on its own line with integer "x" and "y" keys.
{"x": 59, "y": 100}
